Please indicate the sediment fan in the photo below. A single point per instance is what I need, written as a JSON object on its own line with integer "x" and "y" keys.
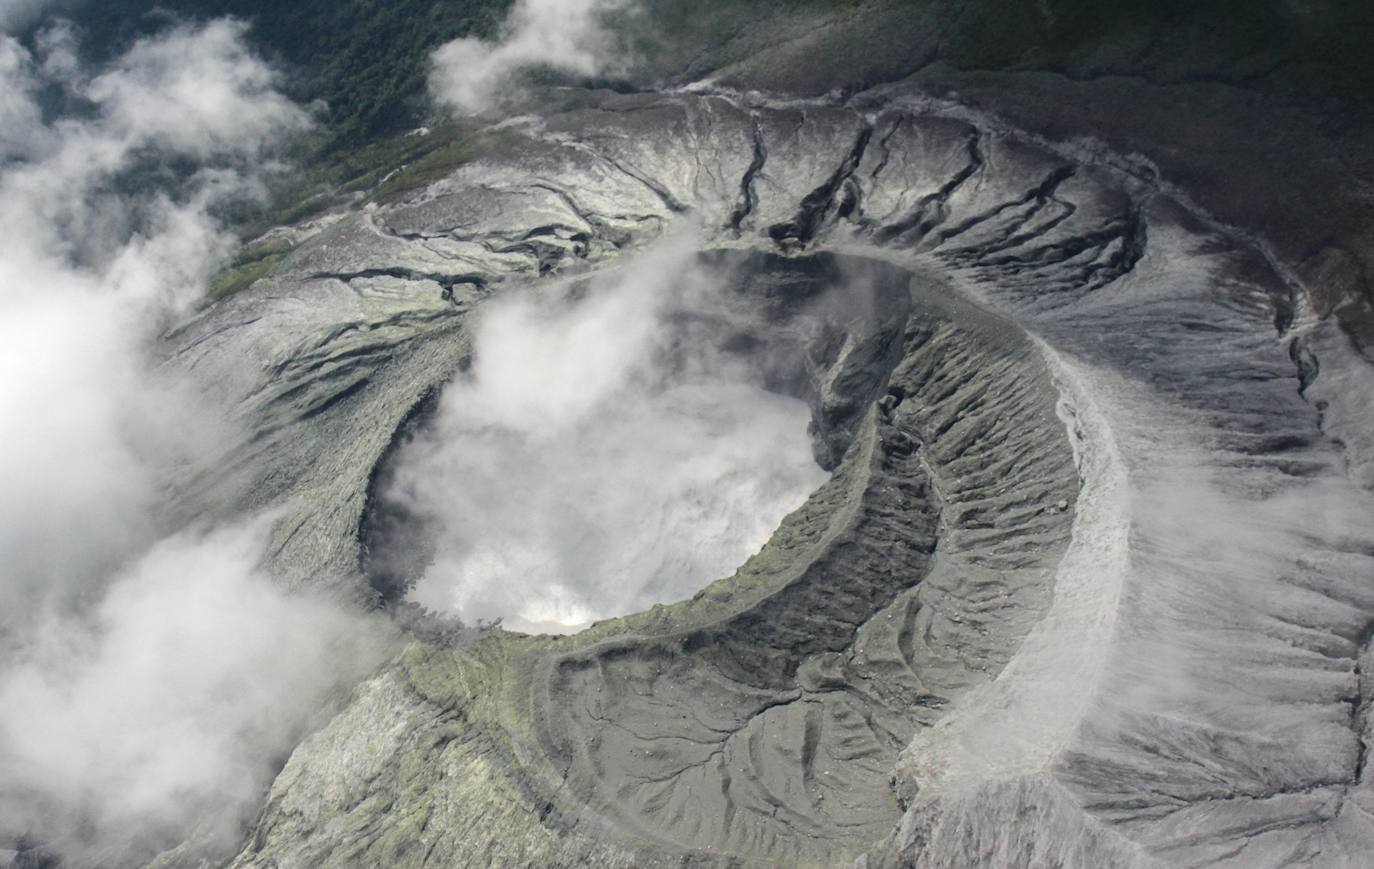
{"x": 1090, "y": 585}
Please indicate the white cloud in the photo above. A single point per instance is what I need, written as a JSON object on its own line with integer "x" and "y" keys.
{"x": 599, "y": 461}
{"x": 198, "y": 92}
{"x": 171, "y": 698}
{"x": 21, "y": 126}
{"x": 148, "y": 678}
{"x": 87, "y": 275}
{"x": 18, "y": 13}
{"x": 568, "y": 35}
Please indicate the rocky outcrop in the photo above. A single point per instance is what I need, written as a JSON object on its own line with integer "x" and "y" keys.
{"x": 1088, "y": 586}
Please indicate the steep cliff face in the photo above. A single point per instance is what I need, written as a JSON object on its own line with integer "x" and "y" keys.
{"x": 1089, "y": 585}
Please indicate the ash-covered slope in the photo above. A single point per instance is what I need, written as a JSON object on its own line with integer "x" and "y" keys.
{"x": 1090, "y": 585}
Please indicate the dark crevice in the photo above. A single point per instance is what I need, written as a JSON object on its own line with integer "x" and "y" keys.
{"x": 389, "y": 527}
{"x": 817, "y": 205}
{"x": 447, "y": 283}
{"x": 932, "y": 209}
{"x": 671, "y": 202}
{"x": 1359, "y": 709}
{"x": 1095, "y": 273}
{"x": 615, "y": 236}
{"x": 884, "y": 144}
{"x": 748, "y": 199}
{"x": 1306, "y": 362}
{"x": 1038, "y": 197}
{"x": 336, "y": 398}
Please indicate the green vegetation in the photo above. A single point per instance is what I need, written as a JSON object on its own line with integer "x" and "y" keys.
{"x": 1319, "y": 48}
{"x": 362, "y": 65}
{"x": 443, "y": 151}
{"x": 381, "y": 170}
{"x": 252, "y": 263}
{"x": 366, "y": 60}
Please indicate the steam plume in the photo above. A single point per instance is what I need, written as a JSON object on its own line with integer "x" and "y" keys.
{"x": 567, "y": 35}
{"x": 598, "y": 460}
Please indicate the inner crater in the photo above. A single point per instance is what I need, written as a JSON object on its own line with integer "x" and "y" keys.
{"x": 622, "y": 440}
